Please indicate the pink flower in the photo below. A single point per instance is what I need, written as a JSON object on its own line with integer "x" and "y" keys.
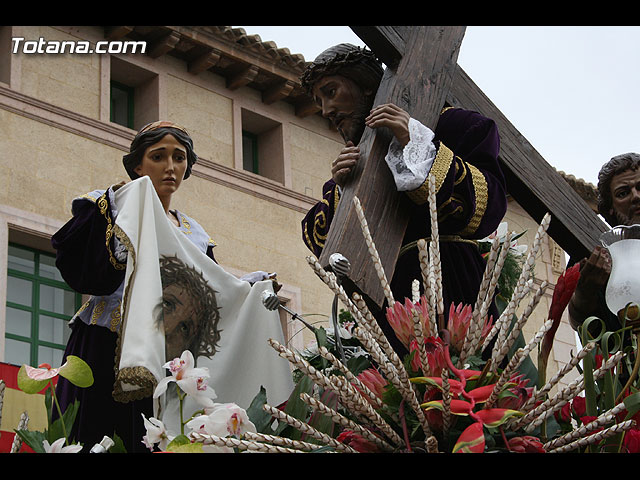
{"x": 357, "y": 442}
{"x": 400, "y": 318}
{"x": 434, "y": 349}
{"x": 459, "y": 318}
{"x": 374, "y": 381}
{"x": 526, "y": 444}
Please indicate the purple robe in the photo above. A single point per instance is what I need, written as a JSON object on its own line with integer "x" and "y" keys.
{"x": 471, "y": 201}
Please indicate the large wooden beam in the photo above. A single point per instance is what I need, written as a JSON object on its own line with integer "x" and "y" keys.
{"x": 418, "y": 82}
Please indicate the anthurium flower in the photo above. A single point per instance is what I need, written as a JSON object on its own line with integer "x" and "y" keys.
{"x": 58, "y": 447}
{"x": 156, "y": 434}
{"x": 76, "y": 370}
{"x": 471, "y": 440}
{"x": 525, "y": 444}
{"x": 190, "y": 379}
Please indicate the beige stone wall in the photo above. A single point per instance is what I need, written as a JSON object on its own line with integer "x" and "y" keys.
{"x": 65, "y": 80}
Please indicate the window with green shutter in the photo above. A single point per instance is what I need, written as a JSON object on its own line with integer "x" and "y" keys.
{"x": 39, "y": 307}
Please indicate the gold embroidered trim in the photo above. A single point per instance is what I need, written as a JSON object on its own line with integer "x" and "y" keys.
{"x": 103, "y": 205}
{"x": 186, "y": 224}
{"x": 482, "y": 198}
{"x": 440, "y": 168}
{"x": 131, "y": 375}
{"x": 97, "y": 312}
{"x": 116, "y": 317}
{"x": 136, "y": 376}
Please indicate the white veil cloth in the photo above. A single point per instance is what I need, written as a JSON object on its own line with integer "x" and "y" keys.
{"x": 244, "y": 361}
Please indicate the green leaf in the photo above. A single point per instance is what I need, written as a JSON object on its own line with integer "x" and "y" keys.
{"x": 261, "y": 419}
{"x": 32, "y": 439}
{"x": 182, "y": 444}
{"x": 68, "y": 417}
{"x": 632, "y": 402}
{"x": 118, "y": 445}
{"x": 296, "y": 407}
{"x": 77, "y": 371}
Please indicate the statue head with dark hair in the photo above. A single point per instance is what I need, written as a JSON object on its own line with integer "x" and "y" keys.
{"x": 619, "y": 190}
{"x": 343, "y": 81}
{"x": 151, "y": 134}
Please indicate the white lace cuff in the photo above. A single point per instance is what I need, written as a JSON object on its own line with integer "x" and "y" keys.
{"x": 410, "y": 165}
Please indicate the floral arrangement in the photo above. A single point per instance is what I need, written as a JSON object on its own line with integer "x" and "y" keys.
{"x": 467, "y": 384}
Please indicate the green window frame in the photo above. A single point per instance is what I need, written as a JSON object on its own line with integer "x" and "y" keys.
{"x": 250, "y": 151}
{"x": 38, "y": 308}
{"x": 121, "y": 101}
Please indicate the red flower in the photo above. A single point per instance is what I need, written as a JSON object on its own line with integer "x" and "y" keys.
{"x": 586, "y": 419}
{"x": 579, "y": 406}
{"x": 562, "y": 293}
{"x": 526, "y": 444}
{"x": 520, "y": 393}
{"x": 564, "y": 414}
{"x": 357, "y": 442}
{"x": 632, "y": 441}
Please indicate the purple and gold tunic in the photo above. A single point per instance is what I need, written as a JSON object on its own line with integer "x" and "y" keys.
{"x": 471, "y": 201}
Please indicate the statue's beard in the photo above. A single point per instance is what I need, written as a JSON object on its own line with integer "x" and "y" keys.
{"x": 356, "y": 121}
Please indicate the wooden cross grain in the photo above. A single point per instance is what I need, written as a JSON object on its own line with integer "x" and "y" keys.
{"x": 422, "y": 76}
{"x": 418, "y": 82}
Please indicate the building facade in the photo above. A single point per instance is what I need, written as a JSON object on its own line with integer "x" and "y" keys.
{"x": 67, "y": 118}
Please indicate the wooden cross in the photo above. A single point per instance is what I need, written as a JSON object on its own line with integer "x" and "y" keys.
{"x": 421, "y": 77}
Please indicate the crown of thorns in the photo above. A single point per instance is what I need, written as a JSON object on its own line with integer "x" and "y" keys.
{"x": 359, "y": 64}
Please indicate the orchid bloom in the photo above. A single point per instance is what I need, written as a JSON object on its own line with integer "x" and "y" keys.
{"x": 190, "y": 379}
{"x": 156, "y": 434}
{"x": 222, "y": 419}
{"x": 58, "y": 447}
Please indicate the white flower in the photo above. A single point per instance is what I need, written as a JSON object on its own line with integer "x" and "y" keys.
{"x": 156, "y": 434}
{"x": 222, "y": 419}
{"x": 57, "y": 447}
{"x": 190, "y": 379}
